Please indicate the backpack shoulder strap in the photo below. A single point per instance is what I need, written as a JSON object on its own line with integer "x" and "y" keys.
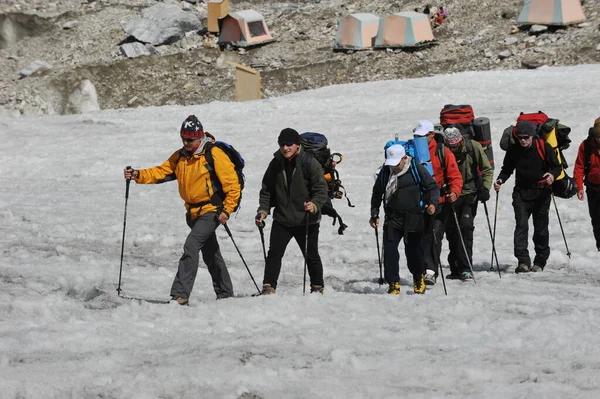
{"x": 587, "y": 155}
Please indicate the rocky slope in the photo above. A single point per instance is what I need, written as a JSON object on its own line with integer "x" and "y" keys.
{"x": 79, "y": 39}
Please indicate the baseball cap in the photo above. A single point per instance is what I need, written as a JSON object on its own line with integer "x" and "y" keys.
{"x": 423, "y": 127}
{"x": 394, "y": 154}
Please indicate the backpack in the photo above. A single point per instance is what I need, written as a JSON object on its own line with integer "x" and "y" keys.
{"x": 463, "y": 118}
{"x": 315, "y": 144}
{"x": 564, "y": 186}
{"x": 418, "y": 154}
{"x": 238, "y": 165}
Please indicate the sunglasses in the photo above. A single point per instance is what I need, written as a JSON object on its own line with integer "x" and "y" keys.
{"x": 523, "y": 138}
{"x": 286, "y": 143}
{"x": 189, "y": 140}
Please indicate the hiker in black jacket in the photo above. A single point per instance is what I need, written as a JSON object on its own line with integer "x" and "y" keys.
{"x": 406, "y": 189}
{"x": 536, "y": 167}
{"x": 296, "y": 195}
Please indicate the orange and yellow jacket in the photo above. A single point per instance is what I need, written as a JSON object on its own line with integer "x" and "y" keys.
{"x": 195, "y": 185}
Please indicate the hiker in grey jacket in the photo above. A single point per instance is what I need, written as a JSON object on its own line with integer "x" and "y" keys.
{"x": 294, "y": 185}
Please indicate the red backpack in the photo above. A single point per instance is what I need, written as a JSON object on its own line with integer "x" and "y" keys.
{"x": 537, "y": 118}
{"x": 456, "y": 115}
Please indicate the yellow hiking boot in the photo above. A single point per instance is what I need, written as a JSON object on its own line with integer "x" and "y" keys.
{"x": 419, "y": 284}
{"x": 394, "y": 288}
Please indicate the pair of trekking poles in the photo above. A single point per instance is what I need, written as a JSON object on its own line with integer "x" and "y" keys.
{"x": 262, "y": 237}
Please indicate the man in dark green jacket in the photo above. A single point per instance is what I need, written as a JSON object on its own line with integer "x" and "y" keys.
{"x": 294, "y": 186}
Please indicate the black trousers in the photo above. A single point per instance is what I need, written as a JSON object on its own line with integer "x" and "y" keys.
{"x": 435, "y": 226}
{"x": 466, "y": 209}
{"x": 413, "y": 249}
{"x": 534, "y": 203}
{"x": 593, "y": 198}
{"x": 280, "y": 238}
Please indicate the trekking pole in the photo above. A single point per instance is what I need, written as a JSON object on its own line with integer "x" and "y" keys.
{"x": 462, "y": 241}
{"x": 381, "y": 280}
{"x": 127, "y": 182}
{"x": 561, "y": 228}
{"x": 494, "y": 237}
{"x": 487, "y": 216}
{"x": 305, "y": 253}
{"x": 435, "y": 243}
{"x": 262, "y": 240}
{"x": 238, "y": 251}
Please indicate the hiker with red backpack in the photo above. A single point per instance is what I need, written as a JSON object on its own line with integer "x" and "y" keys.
{"x": 189, "y": 166}
{"x": 477, "y": 174}
{"x": 449, "y": 181}
{"x": 587, "y": 172}
{"x": 536, "y": 166}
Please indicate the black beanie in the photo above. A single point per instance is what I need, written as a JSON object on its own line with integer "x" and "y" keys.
{"x": 525, "y": 128}
{"x": 288, "y": 135}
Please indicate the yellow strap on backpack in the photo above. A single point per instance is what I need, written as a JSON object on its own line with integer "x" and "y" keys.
{"x": 551, "y": 139}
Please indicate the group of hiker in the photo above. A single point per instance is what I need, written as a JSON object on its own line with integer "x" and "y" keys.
{"x": 428, "y": 186}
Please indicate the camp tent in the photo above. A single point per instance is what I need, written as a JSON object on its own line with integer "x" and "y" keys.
{"x": 356, "y": 32}
{"x": 243, "y": 29}
{"x": 404, "y": 29}
{"x": 551, "y": 12}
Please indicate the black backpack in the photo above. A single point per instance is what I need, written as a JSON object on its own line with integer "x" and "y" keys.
{"x": 238, "y": 164}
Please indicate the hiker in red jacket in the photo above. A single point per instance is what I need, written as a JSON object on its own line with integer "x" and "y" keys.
{"x": 587, "y": 172}
{"x": 449, "y": 180}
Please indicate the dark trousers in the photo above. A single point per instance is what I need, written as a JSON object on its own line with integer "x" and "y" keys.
{"x": 202, "y": 238}
{"x": 435, "y": 225}
{"x": 466, "y": 208}
{"x": 593, "y": 198}
{"x": 413, "y": 249}
{"x": 280, "y": 237}
{"x": 535, "y": 203}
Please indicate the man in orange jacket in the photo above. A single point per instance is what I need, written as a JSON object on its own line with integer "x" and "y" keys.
{"x": 449, "y": 180}
{"x": 587, "y": 171}
{"x": 205, "y": 209}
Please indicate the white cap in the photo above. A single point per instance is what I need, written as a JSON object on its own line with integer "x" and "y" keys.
{"x": 394, "y": 154}
{"x": 423, "y": 127}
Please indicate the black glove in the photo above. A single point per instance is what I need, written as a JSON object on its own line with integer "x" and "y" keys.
{"x": 483, "y": 194}
{"x": 373, "y": 219}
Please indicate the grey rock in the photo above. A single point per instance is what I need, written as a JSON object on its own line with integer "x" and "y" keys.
{"x": 538, "y": 29}
{"x": 33, "y": 67}
{"x": 162, "y": 24}
{"x": 508, "y": 14}
{"x": 135, "y": 49}
{"x": 70, "y": 25}
{"x": 598, "y": 47}
{"x": 504, "y": 54}
{"x": 511, "y": 40}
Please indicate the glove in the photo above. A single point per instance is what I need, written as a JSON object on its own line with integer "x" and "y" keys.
{"x": 259, "y": 219}
{"x": 374, "y": 213}
{"x": 483, "y": 194}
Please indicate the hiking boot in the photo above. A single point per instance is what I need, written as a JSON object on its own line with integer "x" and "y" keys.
{"x": 394, "y": 288}
{"x": 429, "y": 277}
{"x": 317, "y": 288}
{"x": 523, "y": 268}
{"x": 537, "y": 268}
{"x": 181, "y": 300}
{"x": 466, "y": 276}
{"x": 267, "y": 289}
{"x": 453, "y": 276}
{"x": 418, "y": 284}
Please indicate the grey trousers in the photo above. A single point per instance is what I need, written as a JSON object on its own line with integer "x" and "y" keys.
{"x": 202, "y": 238}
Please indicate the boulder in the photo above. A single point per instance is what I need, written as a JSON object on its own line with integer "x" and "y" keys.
{"x": 84, "y": 98}
{"x": 135, "y": 49}
{"x": 162, "y": 24}
{"x": 33, "y": 67}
